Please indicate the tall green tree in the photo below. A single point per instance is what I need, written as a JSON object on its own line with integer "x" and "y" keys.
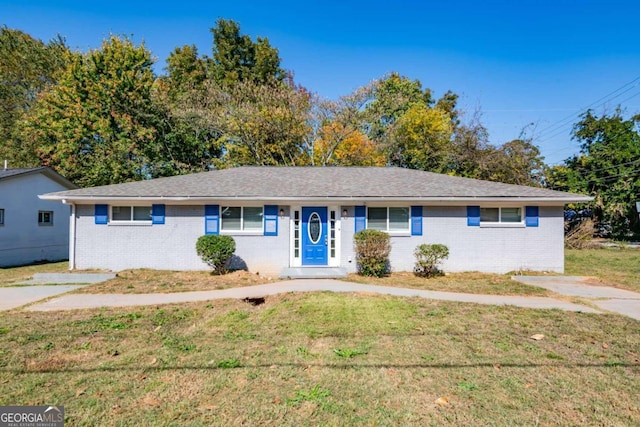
{"x": 27, "y": 67}
{"x": 186, "y": 71}
{"x": 607, "y": 167}
{"x": 99, "y": 125}
{"x": 189, "y": 141}
{"x": 237, "y": 58}
{"x": 236, "y": 107}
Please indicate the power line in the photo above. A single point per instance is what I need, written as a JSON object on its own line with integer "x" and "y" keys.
{"x": 633, "y": 83}
{"x": 611, "y": 136}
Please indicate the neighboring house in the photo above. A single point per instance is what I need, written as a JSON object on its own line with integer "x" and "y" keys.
{"x": 283, "y": 218}
{"x": 31, "y": 229}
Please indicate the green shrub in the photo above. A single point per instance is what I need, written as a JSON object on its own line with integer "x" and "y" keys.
{"x": 372, "y": 252}
{"x": 216, "y": 251}
{"x": 427, "y": 259}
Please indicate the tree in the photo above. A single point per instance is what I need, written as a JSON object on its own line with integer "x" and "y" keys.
{"x": 422, "y": 139}
{"x": 27, "y": 67}
{"x": 236, "y": 58}
{"x": 236, "y": 108}
{"x": 516, "y": 162}
{"x": 258, "y": 124}
{"x": 471, "y": 149}
{"x": 98, "y": 125}
{"x": 339, "y": 126}
{"x": 607, "y": 167}
{"x": 337, "y": 147}
{"x": 186, "y": 71}
{"x": 392, "y": 96}
{"x": 189, "y": 141}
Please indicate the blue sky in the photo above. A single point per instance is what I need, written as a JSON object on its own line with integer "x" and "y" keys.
{"x": 524, "y": 64}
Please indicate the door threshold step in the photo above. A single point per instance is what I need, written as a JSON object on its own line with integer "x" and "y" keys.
{"x": 313, "y": 273}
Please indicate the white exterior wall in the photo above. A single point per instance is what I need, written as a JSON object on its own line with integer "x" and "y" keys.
{"x": 170, "y": 246}
{"x": 22, "y": 240}
{"x": 487, "y": 249}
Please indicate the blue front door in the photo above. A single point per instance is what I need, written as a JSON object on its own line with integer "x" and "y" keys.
{"x": 314, "y": 236}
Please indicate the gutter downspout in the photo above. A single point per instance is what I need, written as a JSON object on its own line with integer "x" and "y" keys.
{"x": 72, "y": 238}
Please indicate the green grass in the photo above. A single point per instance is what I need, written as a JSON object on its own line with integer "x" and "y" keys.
{"x": 613, "y": 266}
{"x": 418, "y": 362}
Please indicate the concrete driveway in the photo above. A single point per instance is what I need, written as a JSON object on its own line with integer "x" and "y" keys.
{"x": 607, "y": 298}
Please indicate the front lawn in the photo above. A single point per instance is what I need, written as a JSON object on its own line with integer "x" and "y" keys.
{"x": 613, "y": 266}
{"x": 157, "y": 281}
{"x": 324, "y": 359}
{"x": 471, "y": 283}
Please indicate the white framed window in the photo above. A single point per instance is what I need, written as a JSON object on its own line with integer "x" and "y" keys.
{"x": 45, "y": 217}
{"x": 391, "y": 219}
{"x": 241, "y": 218}
{"x": 141, "y": 214}
{"x": 296, "y": 234}
{"x": 1, "y": 216}
{"x": 501, "y": 215}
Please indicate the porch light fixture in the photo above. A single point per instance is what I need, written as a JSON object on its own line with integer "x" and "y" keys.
{"x": 281, "y": 213}
{"x": 345, "y": 213}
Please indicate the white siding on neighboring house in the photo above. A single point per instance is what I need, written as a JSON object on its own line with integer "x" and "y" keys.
{"x": 22, "y": 239}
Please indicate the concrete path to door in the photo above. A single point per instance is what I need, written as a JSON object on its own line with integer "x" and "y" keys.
{"x": 607, "y": 298}
{"x": 80, "y": 301}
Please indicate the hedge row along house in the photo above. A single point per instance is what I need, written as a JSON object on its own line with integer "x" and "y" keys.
{"x": 300, "y": 221}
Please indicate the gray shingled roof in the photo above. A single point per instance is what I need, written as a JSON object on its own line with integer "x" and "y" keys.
{"x": 12, "y": 173}
{"x": 6, "y": 173}
{"x": 306, "y": 183}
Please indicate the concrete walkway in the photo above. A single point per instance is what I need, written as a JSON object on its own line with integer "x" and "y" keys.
{"x": 42, "y": 278}
{"x": 607, "y": 298}
{"x": 80, "y": 301}
{"x": 17, "y": 296}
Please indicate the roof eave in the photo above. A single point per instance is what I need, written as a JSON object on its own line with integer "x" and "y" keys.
{"x": 321, "y": 199}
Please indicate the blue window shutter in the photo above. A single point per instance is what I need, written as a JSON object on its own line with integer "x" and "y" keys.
{"x": 270, "y": 218}
{"x": 473, "y": 216}
{"x": 101, "y": 214}
{"x": 361, "y": 218}
{"x": 531, "y": 216}
{"x": 157, "y": 214}
{"x": 211, "y": 219}
{"x": 416, "y": 220}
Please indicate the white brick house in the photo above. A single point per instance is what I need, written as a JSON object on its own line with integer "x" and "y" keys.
{"x": 32, "y": 229}
{"x": 285, "y": 218}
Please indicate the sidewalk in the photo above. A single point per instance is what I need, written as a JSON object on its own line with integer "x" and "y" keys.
{"x": 80, "y": 301}
{"x": 607, "y": 298}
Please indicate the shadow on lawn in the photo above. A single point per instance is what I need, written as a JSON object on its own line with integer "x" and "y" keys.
{"x": 329, "y": 366}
